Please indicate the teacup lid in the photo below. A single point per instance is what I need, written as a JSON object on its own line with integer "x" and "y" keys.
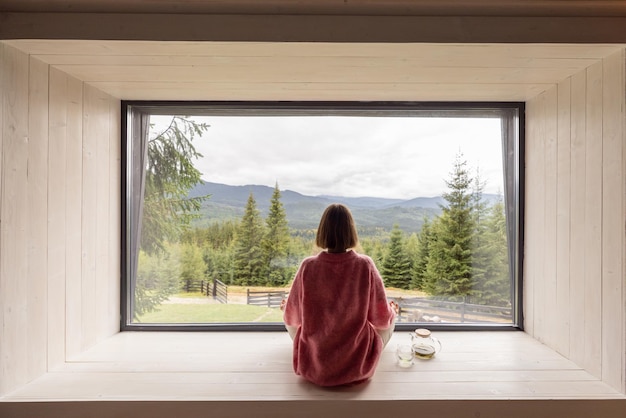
{"x": 422, "y": 332}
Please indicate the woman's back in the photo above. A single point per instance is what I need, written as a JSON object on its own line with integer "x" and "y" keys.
{"x": 337, "y": 301}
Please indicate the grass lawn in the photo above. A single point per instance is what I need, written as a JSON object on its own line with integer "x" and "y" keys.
{"x": 190, "y": 312}
{"x": 207, "y": 313}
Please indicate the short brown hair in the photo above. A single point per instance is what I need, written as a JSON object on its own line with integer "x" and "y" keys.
{"x": 337, "y": 230}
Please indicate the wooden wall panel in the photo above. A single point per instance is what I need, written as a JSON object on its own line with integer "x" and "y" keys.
{"x": 73, "y": 214}
{"x": 550, "y": 216}
{"x": 89, "y": 207}
{"x": 102, "y": 165}
{"x": 613, "y": 190}
{"x": 51, "y": 226}
{"x": 593, "y": 222}
{"x": 562, "y": 308}
{"x": 115, "y": 206}
{"x": 57, "y": 162}
{"x": 578, "y": 289}
{"x": 539, "y": 224}
{"x": 14, "y": 221}
{"x": 37, "y": 195}
{"x": 577, "y": 216}
{"x": 99, "y": 274}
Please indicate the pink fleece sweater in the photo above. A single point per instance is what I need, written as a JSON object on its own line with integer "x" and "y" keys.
{"x": 336, "y": 302}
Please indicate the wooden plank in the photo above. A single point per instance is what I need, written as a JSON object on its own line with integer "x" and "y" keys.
{"x": 459, "y": 58}
{"x": 114, "y": 222}
{"x": 577, "y": 216}
{"x": 89, "y": 218}
{"x": 13, "y": 213}
{"x": 73, "y": 103}
{"x": 57, "y": 137}
{"x": 549, "y": 277}
{"x": 37, "y": 287}
{"x": 100, "y": 123}
{"x": 182, "y": 366}
{"x": 539, "y": 294}
{"x": 277, "y": 72}
{"x": 563, "y": 207}
{"x": 613, "y": 246}
{"x": 321, "y": 91}
{"x": 462, "y": 51}
{"x": 593, "y": 223}
{"x": 201, "y": 386}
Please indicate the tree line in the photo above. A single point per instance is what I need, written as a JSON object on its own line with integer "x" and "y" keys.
{"x": 460, "y": 254}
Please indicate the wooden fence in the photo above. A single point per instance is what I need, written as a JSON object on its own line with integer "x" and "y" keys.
{"x": 193, "y": 286}
{"x": 262, "y": 298}
{"x": 426, "y": 310}
{"x": 215, "y": 289}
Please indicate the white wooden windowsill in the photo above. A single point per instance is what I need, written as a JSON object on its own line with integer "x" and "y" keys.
{"x": 235, "y": 372}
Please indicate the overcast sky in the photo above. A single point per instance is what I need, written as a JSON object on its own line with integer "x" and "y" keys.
{"x": 393, "y": 157}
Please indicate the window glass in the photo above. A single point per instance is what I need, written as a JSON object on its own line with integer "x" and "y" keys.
{"x": 223, "y": 202}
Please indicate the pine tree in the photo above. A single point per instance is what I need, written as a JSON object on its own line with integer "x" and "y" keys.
{"x": 248, "y": 257}
{"x": 167, "y": 209}
{"x": 449, "y": 270}
{"x": 480, "y": 245}
{"x": 275, "y": 243}
{"x": 192, "y": 267}
{"x": 169, "y": 175}
{"x": 424, "y": 239}
{"x": 495, "y": 288}
{"x": 396, "y": 268}
{"x": 156, "y": 280}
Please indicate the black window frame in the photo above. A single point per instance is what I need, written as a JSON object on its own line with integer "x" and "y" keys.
{"x": 513, "y": 129}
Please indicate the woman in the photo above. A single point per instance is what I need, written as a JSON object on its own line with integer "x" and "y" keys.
{"x": 337, "y": 311}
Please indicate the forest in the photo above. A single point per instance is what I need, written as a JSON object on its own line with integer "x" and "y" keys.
{"x": 459, "y": 254}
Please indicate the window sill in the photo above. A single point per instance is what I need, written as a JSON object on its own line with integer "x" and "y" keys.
{"x": 250, "y": 373}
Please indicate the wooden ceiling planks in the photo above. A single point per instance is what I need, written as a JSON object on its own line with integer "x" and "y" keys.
{"x": 152, "y": 70}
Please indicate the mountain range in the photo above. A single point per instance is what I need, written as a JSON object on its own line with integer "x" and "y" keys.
{"x": 303, "y": 212}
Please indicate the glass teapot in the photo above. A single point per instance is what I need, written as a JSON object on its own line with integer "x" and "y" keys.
{"x": 424, "y": 345}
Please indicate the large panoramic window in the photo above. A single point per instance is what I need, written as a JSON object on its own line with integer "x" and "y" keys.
{"x": 222, "y": 202}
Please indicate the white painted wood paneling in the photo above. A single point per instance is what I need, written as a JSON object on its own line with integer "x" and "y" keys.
{"x": 582, "y": 299}
{"x": 217, "y": 366}
{"x": 509, "y": 369}
{"x": 562, "y": 261}
{"x": 14, "y": 220}
{"x": 37, "y": 196}
{"x": 113, "y": 279}
{"x": 549, "y": 252}
{"x": 89, "y": 206}
{"x": 577, "y": 217}
{"x": 613, "y": 209}
{"x": 316, "y": 71}
{"x": 73, "y": 105}
{"x": 57, "y": 164}
{"x": 42, "y": 241}
{"x": 103, "y": 275}
{"x": 592, "y": 329}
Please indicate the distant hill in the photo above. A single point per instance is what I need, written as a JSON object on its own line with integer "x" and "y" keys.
{"x": 303, "y": 212}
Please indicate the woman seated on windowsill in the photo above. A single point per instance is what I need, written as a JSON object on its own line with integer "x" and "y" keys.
{"x": 337, "y": 311}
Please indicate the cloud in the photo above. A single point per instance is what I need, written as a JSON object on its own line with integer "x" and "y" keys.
{"x": 395, "y": 157}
